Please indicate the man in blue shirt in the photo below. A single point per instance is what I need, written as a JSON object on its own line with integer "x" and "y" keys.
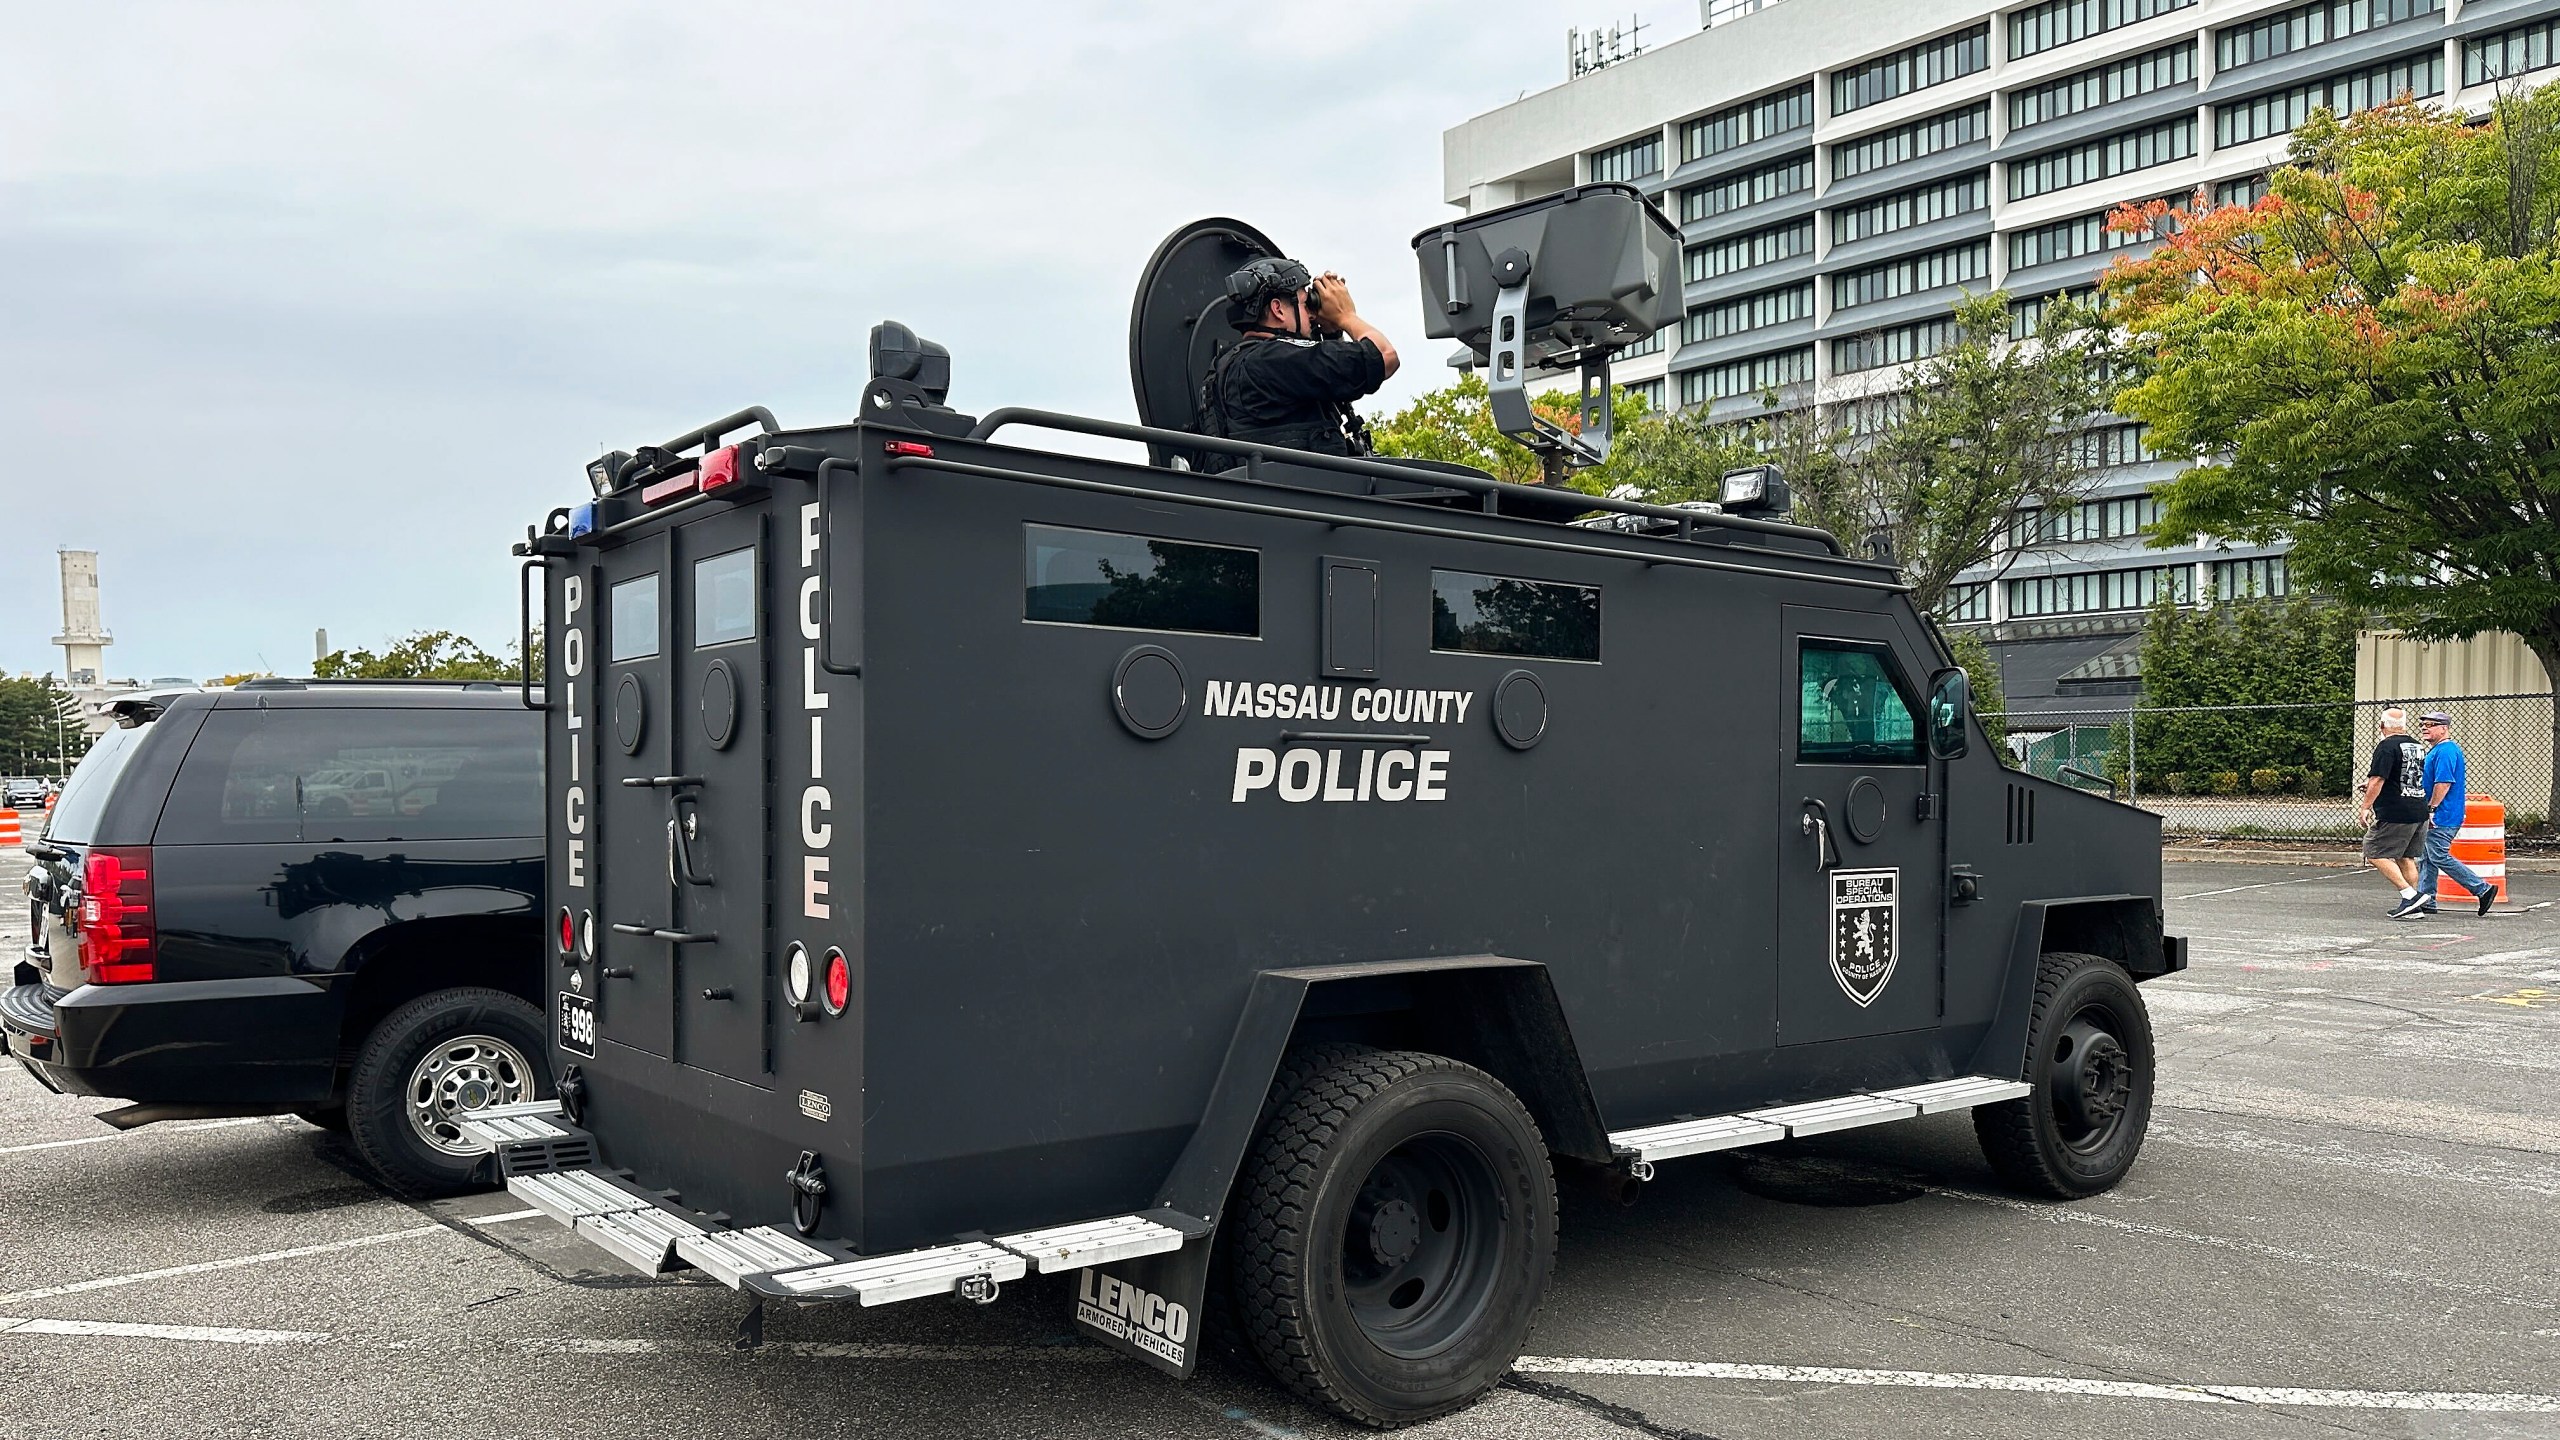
{"x": 2444, "y": 777}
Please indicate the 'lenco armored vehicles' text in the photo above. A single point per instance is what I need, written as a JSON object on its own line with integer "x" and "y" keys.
{"x": 1243, "y": 894}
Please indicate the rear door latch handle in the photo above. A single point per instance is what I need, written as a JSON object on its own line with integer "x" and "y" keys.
{"x": 1817, "y": 823}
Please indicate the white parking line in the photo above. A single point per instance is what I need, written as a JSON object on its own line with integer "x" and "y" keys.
{"x": 121, "y": 1134}
{"x": 109, "y": 1282}
{"x": 2266, "y": 885}
{"x": 205, "y": 1334}
{"x": 2455, "y": 1400}
{"x": 494, "y": 1219}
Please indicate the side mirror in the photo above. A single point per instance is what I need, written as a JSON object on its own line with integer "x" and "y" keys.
{"x": 1950, "y": 695}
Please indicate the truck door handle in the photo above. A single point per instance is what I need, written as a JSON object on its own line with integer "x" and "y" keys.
{"x": 1817, "y": 823}
{"x": 682, "y": 821}
{"x": 662, "y": 782}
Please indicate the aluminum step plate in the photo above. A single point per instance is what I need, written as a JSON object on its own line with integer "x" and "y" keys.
{"x": 887, "y": 1278}
{"x": 645, "y": 1240}
{"x": 1095, "y": 1242}
{"x": 1697, "y": 1137}
{"x": 730, "y": 1256}
{"x": 1820, "y": 1117}
{"x": 1962, "y": 1093}
{"x": 569, "y": 1195}
{"x": 496, "y": 1130}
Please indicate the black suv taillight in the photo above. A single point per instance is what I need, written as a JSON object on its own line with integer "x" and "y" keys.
{"x": 119, "y": 940}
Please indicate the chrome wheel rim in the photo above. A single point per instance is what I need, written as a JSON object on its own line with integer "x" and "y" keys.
{"x": 457, "y": 1077}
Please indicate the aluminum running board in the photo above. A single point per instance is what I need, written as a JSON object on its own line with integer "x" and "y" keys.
{"x": 1095, "y": 1242}
{"x": 569, "y": 1196}
{"x": 1818, "y": 1117}
{"x": 731, "y": 1256}
{"x": 971, "y": 1268}
{"x": 645, "y": 1240}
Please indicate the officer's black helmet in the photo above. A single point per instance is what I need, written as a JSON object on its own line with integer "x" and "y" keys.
{"x": 1269, "y": 278}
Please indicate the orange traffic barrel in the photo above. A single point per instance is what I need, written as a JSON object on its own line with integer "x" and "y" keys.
{"x": 9, "y": 832}
{"x": 2481, "y": 843}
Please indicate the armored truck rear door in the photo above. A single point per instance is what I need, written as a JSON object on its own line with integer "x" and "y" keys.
{"x": 635, "y": 1006}
{"x": 719, "y": 735}
{"x": 1859, "y": 855}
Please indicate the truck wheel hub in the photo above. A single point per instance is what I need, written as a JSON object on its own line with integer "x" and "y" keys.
{"x": 1395, "y": 1232}
{"x": 457, "y": 1077}
{"x": 2092, "y": 1081}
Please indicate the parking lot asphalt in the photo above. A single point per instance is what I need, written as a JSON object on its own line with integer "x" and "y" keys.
{"x": 2343, "y": 1223}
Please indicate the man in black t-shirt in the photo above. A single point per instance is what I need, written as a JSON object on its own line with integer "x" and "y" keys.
{"x": 1306, "y": 355}
{"x": 2393, "y": 805}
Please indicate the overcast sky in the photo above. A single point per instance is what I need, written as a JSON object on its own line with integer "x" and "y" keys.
{"x": 307, "y": 310}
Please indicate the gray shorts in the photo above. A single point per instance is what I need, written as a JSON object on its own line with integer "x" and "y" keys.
{"x": 2396, "y": 840}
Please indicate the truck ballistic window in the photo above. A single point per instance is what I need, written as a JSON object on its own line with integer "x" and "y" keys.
{"x": 1499, "y": 615}
{"x": 724, "y": 598}
{"x": 1852, "y": 709}
{"x": 632, "y": 626}
{"x": 1139, "y": 582}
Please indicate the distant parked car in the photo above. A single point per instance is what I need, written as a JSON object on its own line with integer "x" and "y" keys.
{"x": 23, "y": 794}
{"x": 222, "y": 931}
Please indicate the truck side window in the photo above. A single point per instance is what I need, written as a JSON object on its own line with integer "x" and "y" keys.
{"x": 1139, "y": 582}
{"x": 1500, "y": 615}
{"x": 270, "y": 776}
{"x": 1852, "y": 709}
{"x": 631, "y": 623}
{"x": 724, "y": 598}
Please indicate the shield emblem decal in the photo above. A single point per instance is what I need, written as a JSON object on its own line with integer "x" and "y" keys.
{"x": 1866, "y": 914}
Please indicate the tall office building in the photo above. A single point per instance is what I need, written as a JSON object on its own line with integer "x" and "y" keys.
{"x": 1843, "y": 169}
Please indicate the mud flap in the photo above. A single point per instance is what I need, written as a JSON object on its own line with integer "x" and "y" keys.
{"x": 1148, "y": 1307}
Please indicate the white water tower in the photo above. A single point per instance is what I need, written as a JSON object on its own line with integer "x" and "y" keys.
{"x": 84, "y": 638}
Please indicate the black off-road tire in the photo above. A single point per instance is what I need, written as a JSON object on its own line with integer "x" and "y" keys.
{"x": 2090, "y": 1059}
{"x": 379, "y": 1089}
{"x": 1390, "y": 1175}
{"x": 1225, "y": 1331}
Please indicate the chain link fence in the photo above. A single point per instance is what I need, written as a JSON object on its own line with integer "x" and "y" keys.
{"x": 2282, "y": 771}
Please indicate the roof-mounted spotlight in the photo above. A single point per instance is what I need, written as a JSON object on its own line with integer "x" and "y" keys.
{"x": 1755, "y": 490}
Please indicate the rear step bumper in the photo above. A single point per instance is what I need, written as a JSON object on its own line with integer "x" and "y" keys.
{"x": 1640, "y": 1148}
{"x": 549, "y": 1165}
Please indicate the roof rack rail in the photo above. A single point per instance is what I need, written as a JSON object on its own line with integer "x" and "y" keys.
{"x": 1684, "y": 519}
{"x": 287, "y": 682}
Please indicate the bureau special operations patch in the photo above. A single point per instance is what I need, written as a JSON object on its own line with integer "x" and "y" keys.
{"x": 1866, "y": 915}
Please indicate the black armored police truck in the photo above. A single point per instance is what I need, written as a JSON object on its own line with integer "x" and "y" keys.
{"x": 1243, "y": 878}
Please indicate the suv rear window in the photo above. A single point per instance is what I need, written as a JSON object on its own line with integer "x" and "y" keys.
{"x": 84, "y": 795}
{"x": 352, "y": 776}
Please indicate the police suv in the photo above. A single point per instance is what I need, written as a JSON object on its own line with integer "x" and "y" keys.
{"x": 969, "y": 859}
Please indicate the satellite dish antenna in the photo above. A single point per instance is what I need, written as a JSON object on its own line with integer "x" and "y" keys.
{"x": 1180, "y": 321}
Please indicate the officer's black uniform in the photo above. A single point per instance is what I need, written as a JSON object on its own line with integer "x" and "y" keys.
{"x": 1283, "y": 390}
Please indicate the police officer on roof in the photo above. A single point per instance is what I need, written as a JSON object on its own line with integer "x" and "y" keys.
{"x": 1305, "y": 356}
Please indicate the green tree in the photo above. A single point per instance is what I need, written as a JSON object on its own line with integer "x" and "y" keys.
{"x": 2368, "y": 362}
{"x": 40, "y": 727}
{"x": 1983, "y": 429}
{"x": 2199, "y": 664}
{"x": 1990, "y": 695}
{"x": 426, "y": 655}
{"x": 1662, "y": 458}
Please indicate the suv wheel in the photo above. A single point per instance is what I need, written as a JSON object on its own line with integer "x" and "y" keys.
{"x": 1394, "y": 1237}
{"x": 428, "y": 1064}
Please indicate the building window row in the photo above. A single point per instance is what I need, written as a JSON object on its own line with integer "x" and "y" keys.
{"x": 1906, "y": 208}
{"x": 1746, "y": 377}
{"x": 2105, "y": 447}
{"x": 1648, "y": 391}
{"x": 2240, "y": 190}
{"x": 2057, "y": 23}
{"x": 2026, "y": 317}
{"x": 1742, "y": 252}
{"x": 1910, "y": 274}
{"x": 1966, "y": 604}
{"x": 2068, "y": 240}
{"x": 2304, "y": 26}
{"x": 2092, "y": 591}
{"x": 2510, "y": 53}
{"x": 1748, "y": 312}
{"x": 1649, "y": 345}
{"x": 1634, "y": 160}
{"x": 1868, "y": 415}
{"x": 1926, "y": 136}
{"x": 2101, "y": 159}
{"x": 1752, "y": 187}
{"x": 1893, "y": 345}
{"x": 2103, "y": 85}
{"x": 1916, "y": 67}
{"x": 2260, "y": 579}
{"x": 2278, "y": 112}
{"x": 1790, "y": 109}
{"x": 2121, "y": 518}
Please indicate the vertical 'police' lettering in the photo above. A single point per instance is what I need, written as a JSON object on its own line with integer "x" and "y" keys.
{"x": 573, "y": 663}
{"x": 815, "y": 833}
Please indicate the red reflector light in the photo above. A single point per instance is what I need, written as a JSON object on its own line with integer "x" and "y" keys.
{"x": 911, "y": 449}
{"x": 568, "y": 932}
{"x": 719, "y": 469}
{"x": 119, "y": 939}
{"x": 839, "y": 991}
{"x": 666, "y": 489}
